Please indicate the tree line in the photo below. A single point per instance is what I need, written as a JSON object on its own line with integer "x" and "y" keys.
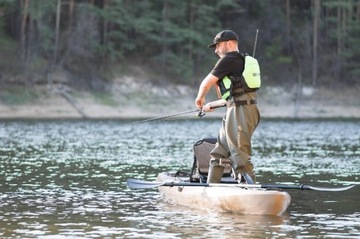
{"x": 311, "y": 42}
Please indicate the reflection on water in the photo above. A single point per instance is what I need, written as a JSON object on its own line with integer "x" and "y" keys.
{"x": 66, "y": 179}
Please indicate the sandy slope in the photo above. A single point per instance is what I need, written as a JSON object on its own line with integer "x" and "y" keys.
{"x": 131, "y": 99}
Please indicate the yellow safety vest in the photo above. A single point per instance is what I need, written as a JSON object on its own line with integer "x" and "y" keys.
{"x": 250, "y": 80}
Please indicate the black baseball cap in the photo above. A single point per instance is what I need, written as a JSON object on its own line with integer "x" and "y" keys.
{"x": 226, "y": 35}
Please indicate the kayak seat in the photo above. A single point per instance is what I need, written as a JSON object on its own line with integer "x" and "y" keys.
{"x": 200, "y": 169}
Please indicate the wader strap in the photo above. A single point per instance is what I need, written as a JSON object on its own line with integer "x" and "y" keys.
{"x": 244, "y": 102}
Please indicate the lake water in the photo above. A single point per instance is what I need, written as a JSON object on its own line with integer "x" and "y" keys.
{"x": 67, "y": 179}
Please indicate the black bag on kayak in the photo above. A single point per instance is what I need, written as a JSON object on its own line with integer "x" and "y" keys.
{"x": 200, "y": 169}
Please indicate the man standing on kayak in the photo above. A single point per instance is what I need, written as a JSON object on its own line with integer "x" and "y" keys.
{"x": 242, "y": 116}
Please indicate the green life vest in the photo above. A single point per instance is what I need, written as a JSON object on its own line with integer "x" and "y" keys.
{"x": 225, "y": 86}
{"x": 249, "y": 81}
{"x": 251, "y": 73}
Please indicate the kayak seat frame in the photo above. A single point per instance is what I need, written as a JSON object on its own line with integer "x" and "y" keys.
{"x": 200, "y": 168}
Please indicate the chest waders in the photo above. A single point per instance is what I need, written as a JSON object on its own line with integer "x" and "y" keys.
{"x": 232, "y": 87}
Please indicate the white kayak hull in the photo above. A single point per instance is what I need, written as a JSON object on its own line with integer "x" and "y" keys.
{"x": 225, "y": 199}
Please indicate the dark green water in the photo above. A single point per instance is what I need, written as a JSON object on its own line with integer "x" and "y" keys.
{"x": 66, "y": 179}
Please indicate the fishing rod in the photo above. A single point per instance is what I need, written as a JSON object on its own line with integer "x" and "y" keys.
{"x": 256, "y": 38}
{"x": 199, "y": 114}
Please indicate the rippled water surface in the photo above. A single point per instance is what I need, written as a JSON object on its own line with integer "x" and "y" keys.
{"x": 66, "y": 179}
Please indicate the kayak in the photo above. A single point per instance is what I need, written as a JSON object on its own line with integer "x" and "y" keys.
{"x": 191, "y": 189}
{"x": 228, "y": 196}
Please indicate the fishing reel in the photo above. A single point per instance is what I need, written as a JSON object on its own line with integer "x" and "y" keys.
{"x": 200, "y": 114}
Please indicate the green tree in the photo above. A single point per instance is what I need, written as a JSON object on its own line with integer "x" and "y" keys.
{"x": 168, "y": 38}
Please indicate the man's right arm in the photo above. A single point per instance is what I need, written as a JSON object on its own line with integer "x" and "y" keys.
{"x": 209, "y": 81}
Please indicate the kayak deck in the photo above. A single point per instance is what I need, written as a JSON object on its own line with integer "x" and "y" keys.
{"x": 233, "y": 199}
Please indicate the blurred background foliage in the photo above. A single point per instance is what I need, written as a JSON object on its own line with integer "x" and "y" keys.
{"x": 87, "y": 43}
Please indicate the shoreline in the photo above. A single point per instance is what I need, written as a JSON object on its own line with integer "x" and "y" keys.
{"x": 60, "y": 109}
{"x": 120, "y": 104}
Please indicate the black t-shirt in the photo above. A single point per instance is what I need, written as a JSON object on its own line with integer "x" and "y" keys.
{"x": 232, "y": 64}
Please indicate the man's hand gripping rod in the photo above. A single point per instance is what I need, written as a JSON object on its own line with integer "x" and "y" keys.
{"x": 211, "y": 106}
